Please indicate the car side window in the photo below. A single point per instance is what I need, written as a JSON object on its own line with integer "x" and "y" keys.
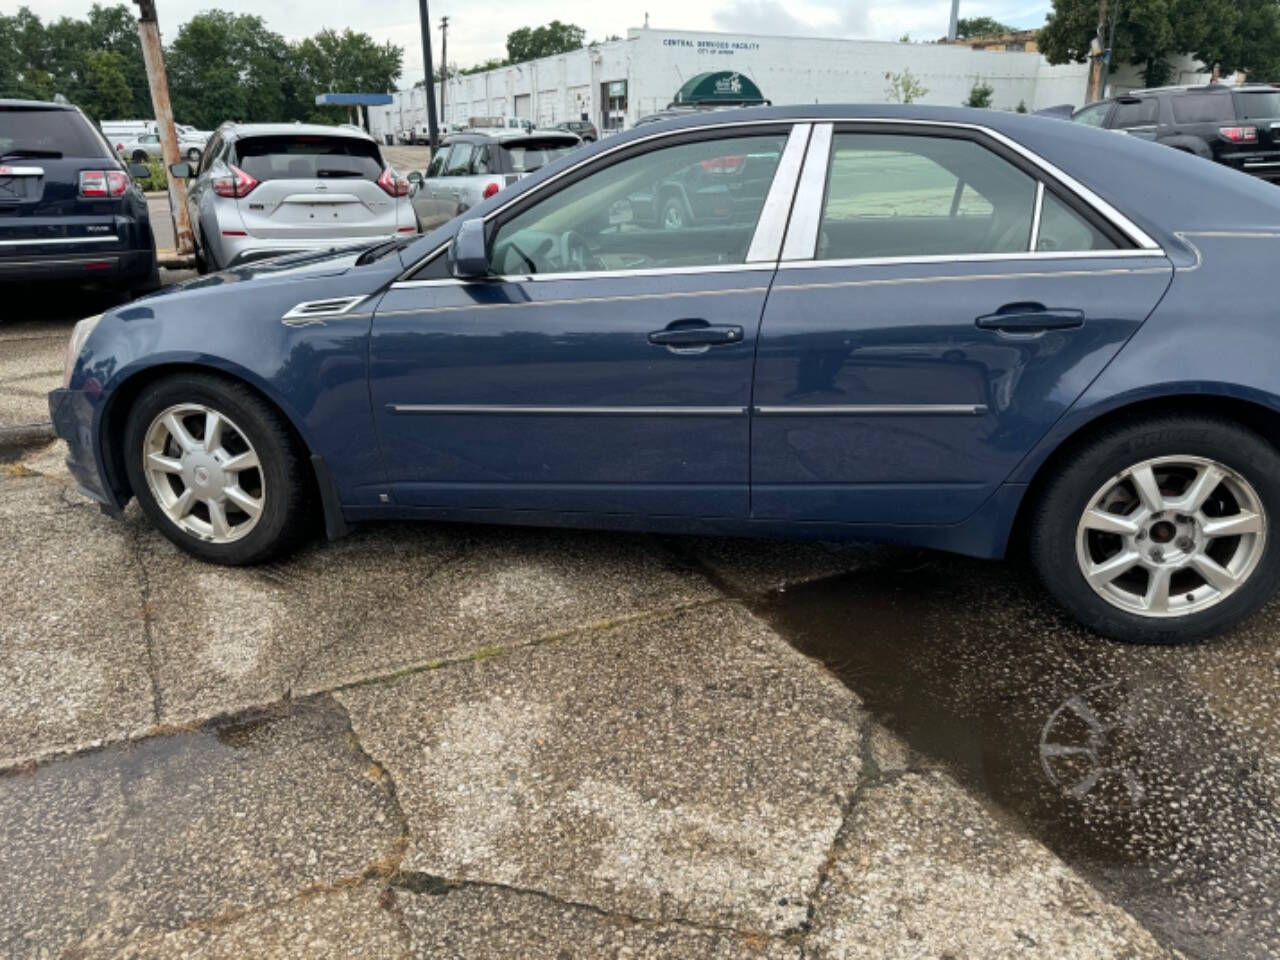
{"x": 436, "y": 166}
{"x": 480, "y": 162}
{"x": 1137, "y": 113}
{"x": 459, "y": 162}
{"x": 1093, "y": 116}
{"x": 891, "y": 195}
{"x": 1063, "y": 230}
{"x": 689, "y": 205}
{"x": 212, "y": 149}
{"x": 1203, "y": 108}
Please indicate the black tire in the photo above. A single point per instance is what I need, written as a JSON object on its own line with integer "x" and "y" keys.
{"x": 149, "y": 283}
{"x": 140, "y": 156}
{"x": 1108, "y": 453}
{"x": 202, "y": 265}
{"x": 289, "y": 514}
{"x": 673, "y": 205}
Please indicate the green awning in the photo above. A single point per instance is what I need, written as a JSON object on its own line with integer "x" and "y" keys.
{"x": 722, "y": 86}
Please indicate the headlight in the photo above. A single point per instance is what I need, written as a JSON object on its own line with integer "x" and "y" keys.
{"x": 78, "y": 337}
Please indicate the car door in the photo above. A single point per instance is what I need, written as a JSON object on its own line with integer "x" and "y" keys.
{"x": 1137, "y": 116}
{"x": 942, "y": 299}
{"x": 605, "y": 367}
{"x": 423, "y": 198}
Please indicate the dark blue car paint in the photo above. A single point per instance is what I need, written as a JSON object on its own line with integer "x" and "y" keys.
{"x": 955, "y": 482}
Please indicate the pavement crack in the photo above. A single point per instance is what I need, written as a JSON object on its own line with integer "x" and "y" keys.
{"x": 148, "y": 620}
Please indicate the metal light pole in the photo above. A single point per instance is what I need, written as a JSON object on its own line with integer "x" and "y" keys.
{"x": 424, "y": 18}
{"x": 954, "y": 29}
{"x": 153, "y": 57}
{"x": 444, "y": 66}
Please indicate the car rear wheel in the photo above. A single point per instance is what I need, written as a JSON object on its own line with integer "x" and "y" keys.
{"x": 140, "y": 156}
{"x": 673, "y": 214}
{"x": 216, "y": 470}
{"x": 1159, "y": 532}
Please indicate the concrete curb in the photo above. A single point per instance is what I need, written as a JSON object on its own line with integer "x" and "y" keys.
{"x": 27, "y": 433}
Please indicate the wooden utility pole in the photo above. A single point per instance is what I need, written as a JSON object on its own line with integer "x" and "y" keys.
{"x": 153, "y": 57}
{"x": 444, "y": 67}
{"x": 1098, "y": 52}
{"x": 424, "y": 19}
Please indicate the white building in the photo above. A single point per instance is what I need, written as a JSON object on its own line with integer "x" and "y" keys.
{"x": 615, "y": 83}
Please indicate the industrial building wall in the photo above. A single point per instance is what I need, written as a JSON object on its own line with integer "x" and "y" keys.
{"x": 650, "y": 65}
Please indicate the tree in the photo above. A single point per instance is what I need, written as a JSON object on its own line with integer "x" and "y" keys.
{"x": 903, "y": 87}
{"x": 347, "y": 62}
{"x": 1233, "y": 34}
{"x": 980, "y": 95}
{"x": 493, "y": 63}
{"x": 529, "y": 43}
{"x": 980, "y": 27}
{"x": 106, "y": 93}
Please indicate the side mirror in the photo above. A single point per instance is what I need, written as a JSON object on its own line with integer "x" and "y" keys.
{"x": 415, "y": 178}
{"x": 468, "y": 259}
{"x": 139, "y": 171}
{"x": 181, "y": 170}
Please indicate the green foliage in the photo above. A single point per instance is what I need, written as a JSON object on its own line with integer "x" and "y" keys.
{"x": 980, "y": 27}
{"x": 1235, "y": 34}
{"x": 221, "y": 66}
{"x": 529, "y": 43}
{"x": 157, "y": 179}
{"x": 491, "y": 64}
{"x": 980, "y": 95}
{"x": 1022, "y": 107}
{"x": 903, "y": 87}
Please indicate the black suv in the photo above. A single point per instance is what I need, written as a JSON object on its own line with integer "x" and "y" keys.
{"x": 1236, "y": 126}
{"x": 69, "y": 210}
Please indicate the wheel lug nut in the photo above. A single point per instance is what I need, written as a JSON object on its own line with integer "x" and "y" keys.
{"x": 1185, "y": 543}
{"x": 1156, "y": 554}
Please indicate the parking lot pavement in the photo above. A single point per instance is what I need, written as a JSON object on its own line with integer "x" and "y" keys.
{"x": 444, "y": 741}
{"x": 405, "y": 158}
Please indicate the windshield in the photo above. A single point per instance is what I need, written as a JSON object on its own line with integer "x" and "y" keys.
{"x": 526, "y": 156}
{"x": 1258, "y": 105}
{"x": 303, "y": 157}
{"x": 47, "y": 133}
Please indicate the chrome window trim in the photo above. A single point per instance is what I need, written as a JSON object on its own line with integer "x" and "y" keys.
{"x": 772, "y": 224}
{"x": 30, "y": 242}
{"x": 806, "y": 213}
{"x": 876, "y": 410}
{"x": 590, "y": 275}
{"x": 500, "y": 409}
{"x": 1117, "y": 219}
{"x": 1022, "y": 256}
{"x": 574, "y": 301}
{"x": 1036, "y": 214}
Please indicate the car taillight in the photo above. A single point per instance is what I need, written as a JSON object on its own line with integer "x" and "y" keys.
{"x": 728, "y": 164}
{"x": 1239, "y": 134}
{"x": 392, "y": 184}
{"x": 103, "y": 184}
{"x": 491, "y": 189}
{"x": 239, "y": 184}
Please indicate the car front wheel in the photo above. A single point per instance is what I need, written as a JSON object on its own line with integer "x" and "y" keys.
{"x": 216, "y": 470}
{"x": 1159, "y": 532}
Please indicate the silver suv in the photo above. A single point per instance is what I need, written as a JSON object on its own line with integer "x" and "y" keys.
{"x": 265, "y": 189}
{"x": 472, "y": 166}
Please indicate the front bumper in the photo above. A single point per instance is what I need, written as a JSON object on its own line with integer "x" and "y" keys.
{"x": 72, "y": 412}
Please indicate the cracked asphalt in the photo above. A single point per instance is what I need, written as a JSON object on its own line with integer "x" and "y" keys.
{"x": 448, "y": 741}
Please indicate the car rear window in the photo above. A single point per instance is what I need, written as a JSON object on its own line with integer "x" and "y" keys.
{"x": 46, "y": 132}
{"x": 302, "y": 157}
{"x": 1258, "y": 105}
{"x": 1135, "y": 113}
{"x": 526, "y": 156}
{"x": 1202, "y": 108}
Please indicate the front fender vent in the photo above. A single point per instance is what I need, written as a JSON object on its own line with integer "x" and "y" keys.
{"x": 314, "y": 311}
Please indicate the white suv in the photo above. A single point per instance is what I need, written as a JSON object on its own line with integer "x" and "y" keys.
{"x": 266, "y": 189}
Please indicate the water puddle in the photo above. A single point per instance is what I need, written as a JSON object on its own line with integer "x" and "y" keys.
{"x": 1142, "y": 767}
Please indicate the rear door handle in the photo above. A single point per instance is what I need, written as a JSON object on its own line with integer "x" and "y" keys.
{"x": 1030, "y": 318}
{"x": 700, "y": 336}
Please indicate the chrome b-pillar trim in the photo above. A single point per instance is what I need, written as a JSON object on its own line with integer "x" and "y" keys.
{"x": 806, "y": 213}
{"x": 767, "y": 240}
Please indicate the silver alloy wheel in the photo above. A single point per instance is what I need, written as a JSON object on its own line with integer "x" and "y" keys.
{"x": 204, "y": 473}
{"x": 672, "y": 216}
{"x": 1171, "y": 536}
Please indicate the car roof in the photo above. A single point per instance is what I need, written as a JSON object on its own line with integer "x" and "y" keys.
{"x": 502, "y": 135}
{"x": 35, "y": 105}
{"x": 239, "y": 130}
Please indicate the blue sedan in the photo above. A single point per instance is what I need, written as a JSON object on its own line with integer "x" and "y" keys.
{"x": 964, "y": 330}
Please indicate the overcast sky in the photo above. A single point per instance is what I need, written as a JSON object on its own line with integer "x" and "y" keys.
{"x": 478, "y": 29}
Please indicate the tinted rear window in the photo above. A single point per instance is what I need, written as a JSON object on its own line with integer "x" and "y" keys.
{"x": 1262, "y": 105}
{"x": 525, "y": 156}
{"x": 308, "y": 158}
{"x": 1129, "y": 114}
{"x": 1202, "y": 108}
{"x": 61, "y": 131}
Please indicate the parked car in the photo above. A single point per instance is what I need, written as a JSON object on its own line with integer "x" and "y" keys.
{"x": 586, "y": 130}
{"x": 144, "y": 146}
{"x": 941, "y": 327}
{"x": 711, "y": 190}
{"x": 69, "y": 209}
{"x": 1235, "y": 126}
{"x": 470, "y": 167}
{"x": 266, "y": 189}
{"x": 117, "y": 130}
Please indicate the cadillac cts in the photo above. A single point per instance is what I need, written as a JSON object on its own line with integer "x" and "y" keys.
{"x": 956, "y": 329}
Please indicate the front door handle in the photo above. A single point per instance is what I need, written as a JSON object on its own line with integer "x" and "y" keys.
{"x": 1030, "y": 318}
{"x": 702, "y": 335}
